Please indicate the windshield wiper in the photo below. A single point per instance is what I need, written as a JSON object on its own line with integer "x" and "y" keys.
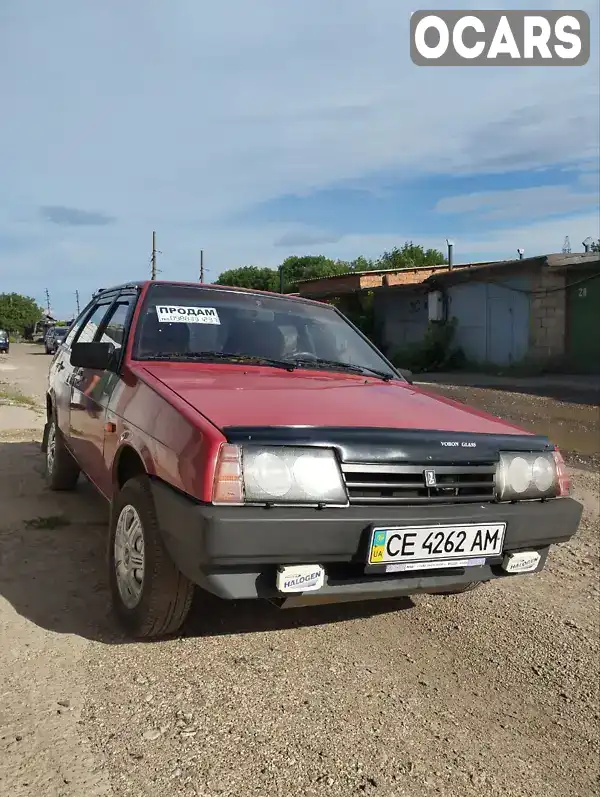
{"x": 319, "y": 362}
{"x": 288, "y": 365}
{"x": 219, "y": 356}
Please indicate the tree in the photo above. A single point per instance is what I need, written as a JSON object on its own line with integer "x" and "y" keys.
{"x": 595, "y": 247}
{"x": 361, "y": 264}
{"x": 297, "y": 268}
{"x": 258, "y": 279}
{"x": 18, "y": 312}
{"x": 307, "y": 267}
{"x": 410, "y": 256}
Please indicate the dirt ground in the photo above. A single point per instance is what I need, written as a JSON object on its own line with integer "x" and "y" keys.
{"x": 492, "y": 693}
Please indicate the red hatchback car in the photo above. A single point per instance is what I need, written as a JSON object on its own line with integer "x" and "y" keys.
{"x": 259, "y": 446}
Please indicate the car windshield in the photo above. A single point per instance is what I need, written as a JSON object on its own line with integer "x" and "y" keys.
{"x": 60, "y": 333}
{"x": 184, "y": 322}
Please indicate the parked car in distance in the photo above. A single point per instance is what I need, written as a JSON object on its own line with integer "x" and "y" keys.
{"x": 4, "y": 342}
{"x": 257, "y": 445}
{"x": 54, "y": 338}
{"x": 47, "y": 339}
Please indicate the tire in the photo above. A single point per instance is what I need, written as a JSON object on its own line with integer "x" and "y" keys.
{"x": 62, "y": 472}
{"x": 152, "y": 601}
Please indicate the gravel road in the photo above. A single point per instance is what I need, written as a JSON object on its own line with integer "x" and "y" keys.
{"x": 492, "y": 693}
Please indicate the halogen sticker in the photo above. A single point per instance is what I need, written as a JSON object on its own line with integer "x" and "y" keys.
{"x": 187, "y": 315}
{"x": 301, "y": 578}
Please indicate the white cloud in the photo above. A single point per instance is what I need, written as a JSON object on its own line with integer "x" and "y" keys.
{"x": 543, "y": 237}
{"x": 533, "y": 203}
{"x": 303, "y": 235}
{"x": 177, "y": 115}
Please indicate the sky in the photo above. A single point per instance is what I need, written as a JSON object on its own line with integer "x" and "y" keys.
{"x": 258, "y": 130}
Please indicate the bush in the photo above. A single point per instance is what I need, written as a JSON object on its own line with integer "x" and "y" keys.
{"x": 359, "y": 308}
{"x": 434, "y": 353}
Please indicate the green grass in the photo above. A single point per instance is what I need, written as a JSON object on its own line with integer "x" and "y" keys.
{"x": 12, "y": 396}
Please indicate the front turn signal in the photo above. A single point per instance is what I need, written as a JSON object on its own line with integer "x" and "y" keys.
{"x": 228, "y": 485}
{"x": 562, "y": 477}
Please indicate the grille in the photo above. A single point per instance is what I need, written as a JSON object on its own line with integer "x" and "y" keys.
{"x": 406, "y": 484}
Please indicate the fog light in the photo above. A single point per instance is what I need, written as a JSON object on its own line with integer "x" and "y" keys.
{"x": 521, "y": 562}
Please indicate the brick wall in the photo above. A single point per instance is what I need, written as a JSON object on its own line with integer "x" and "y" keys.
{"x": 548, "y": 316}
{"x": 349, "y": 283}
{"x": 330, "y": 286}
{"x": 407, "y": 277}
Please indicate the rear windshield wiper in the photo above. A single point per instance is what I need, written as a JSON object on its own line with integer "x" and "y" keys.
{"x": 219, "y": 356}
{"x": 319, "y": 362}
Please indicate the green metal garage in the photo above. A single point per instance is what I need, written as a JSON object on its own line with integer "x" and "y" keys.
{"x": 583, "y": 319}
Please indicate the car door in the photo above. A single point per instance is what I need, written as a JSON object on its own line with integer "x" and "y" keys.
{"x": 91, "y": 391}
{"x": 60, "y": 373}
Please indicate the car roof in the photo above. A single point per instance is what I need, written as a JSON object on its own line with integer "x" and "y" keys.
{"x": 207, "y": 286}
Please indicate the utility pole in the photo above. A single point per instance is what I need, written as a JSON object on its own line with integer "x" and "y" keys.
{"x": 153, "y": 275}
{"x": 48, "y": 301}
{"x": 77, "y": 300}
{"x": 202, "y": 265}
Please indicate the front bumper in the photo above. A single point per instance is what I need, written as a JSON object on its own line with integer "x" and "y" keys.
{"x": 234, "y": 552}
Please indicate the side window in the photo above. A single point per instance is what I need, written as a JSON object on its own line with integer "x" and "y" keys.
{"x": 114, "y": 326}
{"x": 90, "y": 328}
{"x": 74, "y": 328}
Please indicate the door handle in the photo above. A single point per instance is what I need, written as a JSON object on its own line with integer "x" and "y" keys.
{"x": 60, "y": 366}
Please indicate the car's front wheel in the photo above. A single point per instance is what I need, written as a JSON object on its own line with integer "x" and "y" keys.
{"x": 150, "y": 595}
{"x": 62, "y": 471}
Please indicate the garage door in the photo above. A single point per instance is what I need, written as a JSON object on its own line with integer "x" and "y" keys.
{"x": 583, "y": 322}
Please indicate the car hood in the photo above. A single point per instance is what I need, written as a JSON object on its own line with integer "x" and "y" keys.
{"x": 233, "y": 396}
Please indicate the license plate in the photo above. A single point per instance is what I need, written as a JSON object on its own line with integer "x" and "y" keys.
{"x": 436, "y": 543}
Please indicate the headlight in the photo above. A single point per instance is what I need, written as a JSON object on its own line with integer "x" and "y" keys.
{"x": 278, "y": 475}
{"x": 528, "y": 475}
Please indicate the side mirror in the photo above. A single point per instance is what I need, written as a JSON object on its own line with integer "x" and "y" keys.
{"x": 95, "y": 356}
{"x": 408, "y": 375}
